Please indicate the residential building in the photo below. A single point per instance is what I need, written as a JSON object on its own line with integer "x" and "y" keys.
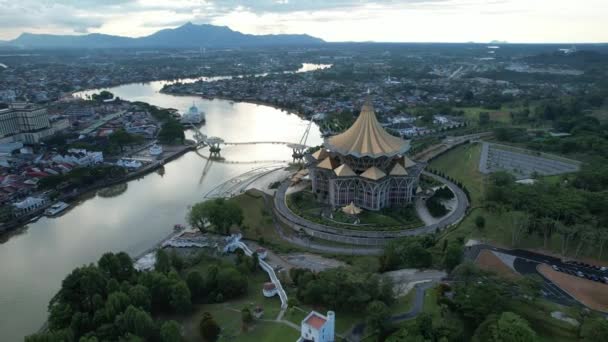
{"x": 318, "y": 328}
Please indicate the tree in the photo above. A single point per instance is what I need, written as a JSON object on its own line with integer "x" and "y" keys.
{"x": 170, "y": 331}
{"x": 137, "y": 321}
{"x": 180, "y": 297}
{"x": 478, "y": 300}
{"x": 602, "y": 237}
{"x": 171, "y": 131}
{"x": 80, "y": 286}
{"x": 118, "y": 266}
{"x": 208, "y": 328}
{"x": 122, "y": 138}
{"x": 163, "y": 262}
{"x": 595, "y": 330}
{"x": 103, "y": 95}
{"x": 480, "y": 222}
{"x": 424, "y": 324}
{"x": 484, "y": 118}
{"x": 116, "y": 304}
{"x": 196, "y": 284}
{"x": 246, "y": 317}
{"x": 231, "y": 283}
{"x": 567, "y": 233}
{"x": 220, "y": 213}
{"x": 176, "y": 261}
{"x": 377, "y": 315}
{"x": 453, "y": 256}
{"x": 519, "y": 223}
{"x": 509, "y": 327}
{"x": 140, "y": 297}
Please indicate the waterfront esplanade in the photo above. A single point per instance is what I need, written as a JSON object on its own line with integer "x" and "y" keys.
{"x": 364, "y": 165}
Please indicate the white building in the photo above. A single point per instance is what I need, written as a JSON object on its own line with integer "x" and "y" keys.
{"x": 80, "y": 157}
{"x": 27, "y": 205}
{"x": 318, "y": 328}
{"x": 269, "y": 290}
{"x": 129, "y": 164}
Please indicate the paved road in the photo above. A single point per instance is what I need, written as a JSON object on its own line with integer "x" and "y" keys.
{"x": 357, "y": 331}
{"x": 306, "y": 243}
{"x": 361, "y": 237}
{"x": 526, "y": 262}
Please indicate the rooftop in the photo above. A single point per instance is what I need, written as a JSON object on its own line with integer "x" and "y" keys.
{"x": 367, "y": 138}
{"x": 315, "y": 320}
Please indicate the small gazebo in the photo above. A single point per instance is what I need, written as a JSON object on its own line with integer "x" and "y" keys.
{"x": 351, "y": 209}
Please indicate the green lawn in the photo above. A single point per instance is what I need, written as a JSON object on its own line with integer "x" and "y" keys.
{"x": 538, "y": 314}
{"x": 462, "y": 164}
{"x": 403, "y": 303}
{"x": 430, "y": 303}
{"x": 228, "y": 314}
{"x": 267, "y": 331}
{"x": 258, "y": 224}
{"x": 305, "y": 205}
{"x": 501, "y": 115}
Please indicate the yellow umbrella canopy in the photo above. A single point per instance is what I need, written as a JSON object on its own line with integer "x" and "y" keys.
{"x": 351, "y": 209}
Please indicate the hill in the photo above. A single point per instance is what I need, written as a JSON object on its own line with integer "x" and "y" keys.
{"x": 186, "y": 36}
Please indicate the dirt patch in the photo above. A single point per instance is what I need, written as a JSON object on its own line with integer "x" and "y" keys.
{"x": 486, "y": 260}
{"x": 591, "y": 293}
{"x": 313, "y": 262}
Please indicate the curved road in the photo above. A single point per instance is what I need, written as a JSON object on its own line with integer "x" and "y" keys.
{"x": 362, "y": 237}
{"x": 357, "y": 331}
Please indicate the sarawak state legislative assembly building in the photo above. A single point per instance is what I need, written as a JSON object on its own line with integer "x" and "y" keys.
{"x": 364, "y": 165}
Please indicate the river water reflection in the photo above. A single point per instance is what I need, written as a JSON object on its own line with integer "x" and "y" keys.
{"x": 35, "y": 259}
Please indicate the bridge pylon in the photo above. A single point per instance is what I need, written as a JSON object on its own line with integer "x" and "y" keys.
{"x": 298, "y": 152}
{"x": 214, "y": 146}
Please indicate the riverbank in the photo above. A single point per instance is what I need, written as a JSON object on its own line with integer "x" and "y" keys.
{"x": 231, "y": 99}
{"x": 74, "y": 196}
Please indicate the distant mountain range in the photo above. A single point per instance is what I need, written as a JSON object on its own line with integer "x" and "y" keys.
{"x": 186, "y": 36}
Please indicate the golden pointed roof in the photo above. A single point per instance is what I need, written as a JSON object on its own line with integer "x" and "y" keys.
{"x": 407, "y": 162}
{"x": 344, "y": 171}
{"x": 366, "y": 137}
{"x": 327, "y": 163}
{"x": 373, "y": 173}
{"x": 351, "y": 209}
{"x": 320, "y": 154}
{"x": 398, "y": 170}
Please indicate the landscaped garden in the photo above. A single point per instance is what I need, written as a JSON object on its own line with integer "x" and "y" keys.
{"x": 305, "y": 204}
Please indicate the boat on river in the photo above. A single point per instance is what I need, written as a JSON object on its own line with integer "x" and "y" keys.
{"x": 56, "y": 209}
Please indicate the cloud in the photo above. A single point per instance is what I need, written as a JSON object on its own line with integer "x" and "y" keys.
{"x": 382, "y": 20}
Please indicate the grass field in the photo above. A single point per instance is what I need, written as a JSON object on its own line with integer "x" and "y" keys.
{"x": 305, "y": 205}
{"x": 228, "y": 314}
{"x": 258, "y": 224}
{"x": 462, "y": 164}
{"x": 538, "y": 314}
{"x": 502, "y": 115}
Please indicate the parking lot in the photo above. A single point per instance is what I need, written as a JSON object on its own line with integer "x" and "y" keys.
{"x": 527, "y": 263}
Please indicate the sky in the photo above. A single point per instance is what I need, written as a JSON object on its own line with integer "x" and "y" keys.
{"x": 525, "y": 21}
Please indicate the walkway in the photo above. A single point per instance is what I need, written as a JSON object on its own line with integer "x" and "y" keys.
{"x": 273, "y": 278}
{"x": 366, "y": 237}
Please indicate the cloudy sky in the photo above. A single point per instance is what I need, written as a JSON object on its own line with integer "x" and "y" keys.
{"x": 332, "y": 20}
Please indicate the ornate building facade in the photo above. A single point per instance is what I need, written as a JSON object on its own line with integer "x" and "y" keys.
{"x": 364, "y": 165}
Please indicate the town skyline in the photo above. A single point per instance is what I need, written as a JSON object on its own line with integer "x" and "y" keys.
{"x": 450, "y": 21}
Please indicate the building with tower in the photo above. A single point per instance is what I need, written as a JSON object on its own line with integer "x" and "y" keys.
{"x": 318, "y": 328}
{"x": 365, "y": 165}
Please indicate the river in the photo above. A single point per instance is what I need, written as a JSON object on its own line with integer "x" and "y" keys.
{"x": 35, "y": 259}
